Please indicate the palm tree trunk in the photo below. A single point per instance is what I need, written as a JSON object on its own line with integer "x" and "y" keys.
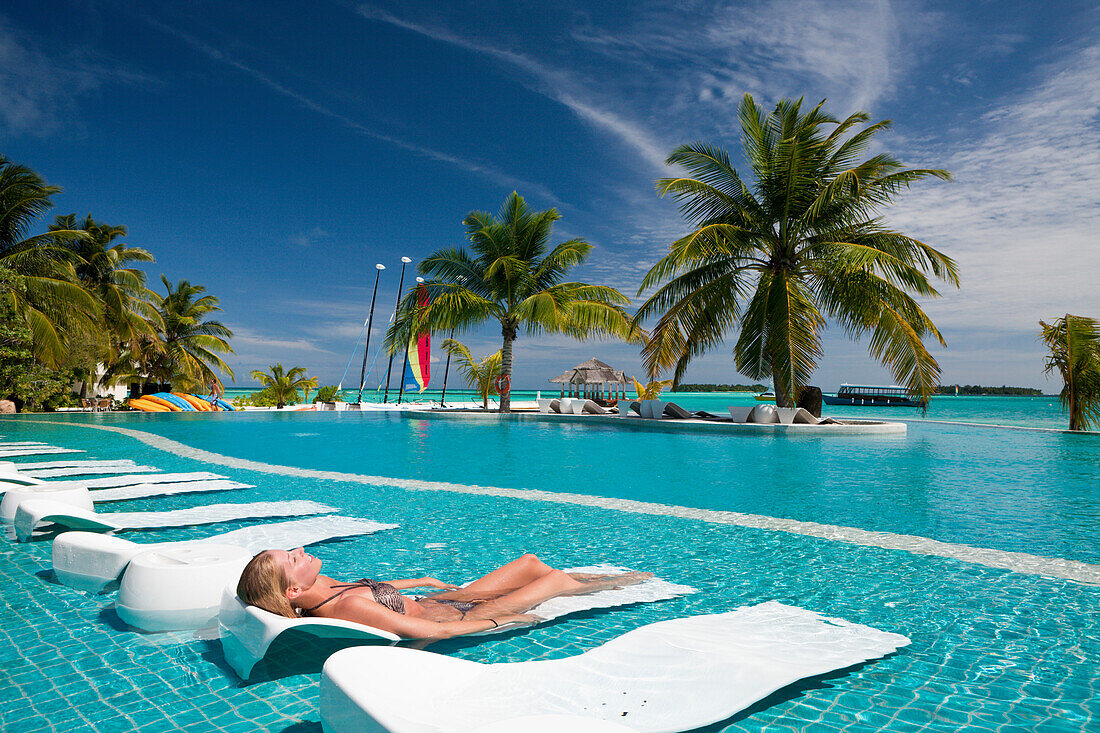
{"x": 781, "y": 390}
{"x": 508, "y": 331}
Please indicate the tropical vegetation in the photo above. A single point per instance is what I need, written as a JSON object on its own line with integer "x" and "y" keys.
{"x": 1074, "y": 346}
{"x": 73, "y": 303}
{"x": 328, "y": 393}
{"x": 284, "y": 386}
{"x": 512, "y": 275}
{"x": 802, "y": 241}
{"x": 652, "y": 390}
{"x": 480, "y": 375}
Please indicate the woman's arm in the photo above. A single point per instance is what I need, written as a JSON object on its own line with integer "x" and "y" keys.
{"x": 360, "y": 610}
{"x": 420, "y": 583}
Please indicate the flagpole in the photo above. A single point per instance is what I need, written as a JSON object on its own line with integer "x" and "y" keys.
{"x": 446, "y": 370}
{"x": 400, "y": 284}
{"x": 370, "y": 322}
{"x": 405, "y": 368}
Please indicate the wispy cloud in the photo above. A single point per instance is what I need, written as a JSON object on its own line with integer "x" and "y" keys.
{"x": 554, "y": 83}
{"x": 1021, "y": 216}
{"x": 39, "y": 90}
{"x": 310, "y": 238}
{"x": 482, "y": 169}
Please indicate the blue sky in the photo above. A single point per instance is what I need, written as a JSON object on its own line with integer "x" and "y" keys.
{"x": 274, "y": 153}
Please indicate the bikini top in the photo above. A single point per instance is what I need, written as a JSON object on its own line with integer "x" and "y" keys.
{"x": 384, "y": 593}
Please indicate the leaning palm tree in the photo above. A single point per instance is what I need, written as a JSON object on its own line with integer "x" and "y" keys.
{"x": 513, "y": 276}
{"x": 1074, "y": 343}
{"x": 774, "y": 257}
{"x": 479, "y": 375}
{"x": 283, "y": 385}
{"x": 186, "y": 352}
{"x": 50, "y": 300}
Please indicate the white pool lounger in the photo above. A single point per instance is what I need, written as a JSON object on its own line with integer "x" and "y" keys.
{"x": 38, "y": 511}
{"x": 80, "y": 496}
{"x": 247, "y": 632}
{"x": 32, "y": 450}
{"x": 54, "y": 469}
{"x": 669, "y": 676}
{"x": 89, "y": 561}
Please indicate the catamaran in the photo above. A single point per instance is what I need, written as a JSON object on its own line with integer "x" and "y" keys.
{"x": 860, "y": 394}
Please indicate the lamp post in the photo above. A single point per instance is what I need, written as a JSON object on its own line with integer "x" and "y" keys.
{"x": 401, "y": 390}
{"x": 370, "y": 322}
{"x": 400, "y": 284}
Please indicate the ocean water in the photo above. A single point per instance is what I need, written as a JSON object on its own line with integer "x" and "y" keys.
{"x": 992, "y": 649}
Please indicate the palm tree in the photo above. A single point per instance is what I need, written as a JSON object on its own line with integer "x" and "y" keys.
{"x": 480, "y": 375}
{"x": 803, "y": 243}
{"x": 129, "y": 308}
{"x": 513, "y": 276}
{"x": 186, "y": 352}
{"x": 283, "y": 385}
{"x": 1074, "y": 343}
{"x": 50, "y": 300}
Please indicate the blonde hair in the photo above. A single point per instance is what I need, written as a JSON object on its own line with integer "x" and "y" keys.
{"x": 263, "y": 584}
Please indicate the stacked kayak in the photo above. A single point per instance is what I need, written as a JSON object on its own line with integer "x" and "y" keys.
{"x": 178, "y": 402}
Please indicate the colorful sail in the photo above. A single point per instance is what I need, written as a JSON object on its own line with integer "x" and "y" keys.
{"x": 418, "y": 370}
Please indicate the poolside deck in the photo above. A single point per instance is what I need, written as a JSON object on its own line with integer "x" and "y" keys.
{"x": 845, "y": 427}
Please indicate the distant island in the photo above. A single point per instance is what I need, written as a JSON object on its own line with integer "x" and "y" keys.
{"x": 721, "y": 388}
{"x": 976, "y": 389}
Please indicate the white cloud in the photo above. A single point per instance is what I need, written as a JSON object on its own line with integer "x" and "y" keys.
{"x": 39, "y": 90}
{"x": 1021, "y": 217}
{"x": 482, "y": 169}
{"x": 555, "y": 83}
{"x": 309, "y": 238}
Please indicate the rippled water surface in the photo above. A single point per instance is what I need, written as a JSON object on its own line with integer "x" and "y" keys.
{"x": 992, "y": 650}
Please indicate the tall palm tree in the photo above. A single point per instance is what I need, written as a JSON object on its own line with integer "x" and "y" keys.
{"x": 50, "y": 300}
{"x": 802, "y": 242}
{"x": 513, "y": 276}
{"x": 285, "y": 385}
{"x": 129, "y": 307}
{"x": 186, "y": 352}
{"x": 1074, "y": 343}
{"x": 479, "y": 375}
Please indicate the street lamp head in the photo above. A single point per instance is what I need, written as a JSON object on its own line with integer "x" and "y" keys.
{"x": 380, "y": 266}
{"x": 406, "y": 260}
{"x": 420, "y": 279}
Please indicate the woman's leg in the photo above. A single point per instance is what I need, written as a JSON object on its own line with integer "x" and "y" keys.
{"x": 516, "y": 574}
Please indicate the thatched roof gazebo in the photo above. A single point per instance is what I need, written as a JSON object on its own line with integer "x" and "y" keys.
{"x": 593, "y": 379}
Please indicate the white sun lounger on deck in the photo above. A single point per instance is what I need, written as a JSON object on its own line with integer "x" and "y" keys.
{"x": 38, "y": 511}
{"x": 89, "y": 561}
{"x": 590, "y": 408}
{"x": 669, "y": 676}
{"x": 247, "y": 632}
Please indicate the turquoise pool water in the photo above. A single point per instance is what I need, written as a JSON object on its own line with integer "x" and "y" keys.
{"x": 992, "y": 650}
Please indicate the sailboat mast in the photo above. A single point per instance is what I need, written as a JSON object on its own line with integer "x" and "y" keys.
{"x": 400, "y": 284}
{"x": 370, "y": 322}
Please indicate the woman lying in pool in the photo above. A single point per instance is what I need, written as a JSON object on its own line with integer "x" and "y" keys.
{"x": 290, "y": 584}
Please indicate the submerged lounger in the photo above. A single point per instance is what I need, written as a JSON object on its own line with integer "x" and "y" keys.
{"x": 50, "y": 469}
{"x": 31, "y": 450}
{"x": 90, "y": 561}
{"x": 669, "y": 676}
{"x": 80, "y": 496}
{"x": 247, "y": 632}
{"x": 37, "y": 511}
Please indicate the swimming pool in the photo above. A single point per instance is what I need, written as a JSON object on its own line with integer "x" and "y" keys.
{"x": 992, "y": 649}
